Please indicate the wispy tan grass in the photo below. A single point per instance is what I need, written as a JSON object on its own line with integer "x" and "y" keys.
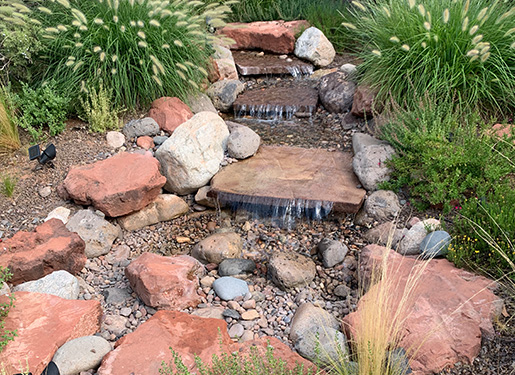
{"x": 9, "y": 137}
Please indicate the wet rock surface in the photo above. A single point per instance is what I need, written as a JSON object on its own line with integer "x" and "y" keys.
{"x": 256, "y": 64}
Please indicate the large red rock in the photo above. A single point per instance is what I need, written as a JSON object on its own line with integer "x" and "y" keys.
{"x": 166, "y": 282}
{"x": 142, "y": 351}
{"x": 43, "y": 323}
{"x": 273, "y": 36}
{"x": 446, "y": 315}
{"x": 51, "y": 247}
{"x": 169, "y": 113}
{"x": 117, "y": 186}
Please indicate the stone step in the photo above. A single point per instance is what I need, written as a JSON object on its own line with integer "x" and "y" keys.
{"x": 250, "y": 63}
{"x": 277, "y": 102}
{"x": 301, "y": 178}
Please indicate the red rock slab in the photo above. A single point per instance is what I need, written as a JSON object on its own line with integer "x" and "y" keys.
{"x": 51, "y": 247}
{"x": 169, "y": 113}
{"x": 501, "y": 130}
{"x": 252, "y": 64}
{"x": 43, "y": 323}
{"x": 117, "y": 186}
{"x": 165, "y": 282}
{"x": 273, "y": 36}
{"x": 142, "y": 351}
{"x": 448, "y": 312}
{"x": 292, "y": 173}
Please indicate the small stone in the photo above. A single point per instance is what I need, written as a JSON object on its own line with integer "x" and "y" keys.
{"x": 228, "y": 288}
{"x": 250, "y": 315}
{"x": 230, "y": 267}
{"x": 332, "y": 252}
{"x": 247, "y": 336}
{"x": 236, "y": 331}
{"x": 117, "y": 296}
{"x": 231, "y": 313}
{"x": 61, "y": 213}
{"x": 45, "y": 191}
{"x": 435, "y": 244}
{"x": 250, "y": 304}
{"x": 182, "y": 239}
{"x": 207, "y": 281}
{"x": 145, "y": 142}
{"x": 342, "y": 291}
{"x": 115, "y": 139}
{"x": 125, "y": 311}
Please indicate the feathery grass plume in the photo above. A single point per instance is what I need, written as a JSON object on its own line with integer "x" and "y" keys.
{"x": 405, "y": 47}
{"x": 133, "y": 31}
{"x": 441, "y": 65}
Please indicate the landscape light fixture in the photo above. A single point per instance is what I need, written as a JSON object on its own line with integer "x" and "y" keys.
{"x": 44, "y": 157}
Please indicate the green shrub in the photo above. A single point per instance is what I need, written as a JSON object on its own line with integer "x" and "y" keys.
{"x": 412, "y": 48}
{"x": 98, "y": 111}
{"x": 444, "y": 154}
{"x": 41, "y": 108}
{"x": 9, "y": 137}
{"x": 141, "y": 49}
{"x": 8, "y": 186}
{"x": 5, "y": 335}
{"x": 235, "y": 364}
{"x": 484, "y": 232}
{"x": 19, "y": 44}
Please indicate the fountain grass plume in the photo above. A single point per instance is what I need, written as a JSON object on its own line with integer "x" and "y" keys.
{"x": 413, "y": 48}
{"x": 141, "y": 49}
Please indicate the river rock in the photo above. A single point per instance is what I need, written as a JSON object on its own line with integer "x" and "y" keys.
{"x": 137, "y": 128}
{"x": 228, "y": 288}
{"x": 224, "y": 93}
{"x": 382, "y": 205}
{"x": 166, "y": 282}
{"x": 192, "y": 155}
{"x": 370, "y": 165}
{"x": 43, "y": 323}
{"x": 324, "y": 344}
{"x": 386, "y": 234}
{"x": 217, "y": 247}
{"x": 166, "y": 207}
{"x": 58, "y": 283}
{"x": 290, "y": 270}
{"x": 200, "y": 103}
{"x": 243, "y": 142}
{"x": 362, "y": 140}
{"x": 336, "y": 92}
{"x": 410, "y": 243}
{"x": 51, "y": 247}
{"x": 363, "y": 103}
{"x": 81, "y": 354}
{"x": 169, "y": 113}
{"x": 115, "y": 139}
{"x": 435, "y": 244}
{"x": 145, "y": 142}
{"x": 331, "y": 252}
{"x": 314, "y": 46}
{"x": 308, "y": 316}
{"x": 117, "y": 186}
{"x": 230, "y": 267}
{"x": 97, "y": 233}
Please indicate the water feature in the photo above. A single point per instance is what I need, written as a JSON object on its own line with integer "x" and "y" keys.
{"x": 271, "y": 112}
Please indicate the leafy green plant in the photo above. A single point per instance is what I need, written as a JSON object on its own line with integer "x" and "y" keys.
{"x": 9, "y": 137}
{"x": 5, "y": 335}
{"x": 98, "y": 111}
{"x": 444, "y": 153}
{"x": 8, "y": 185}
{"x": 41, "y": 108}
{"x": 142, "y": 49}
{"x": 412, "y": 48}
{"x": 236, "y": 364}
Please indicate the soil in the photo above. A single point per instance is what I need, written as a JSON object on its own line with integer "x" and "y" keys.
{"x": 76, "y": 146}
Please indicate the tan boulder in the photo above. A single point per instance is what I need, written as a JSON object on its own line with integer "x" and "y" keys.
{"x": 217, "y": 247}
{"x": 169, "y": 113}
{"x": 166, "y": 207}
{"x": 446, "y": 315}
{"x": 51, "y": 247}
{"x": 166, "y": 282}
{"x": 117, "y": 186}
{"x": 43, "y": 323}
{"x": 289, "y": 270}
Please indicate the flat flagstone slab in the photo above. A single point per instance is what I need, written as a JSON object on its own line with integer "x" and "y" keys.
{"x": 253, "y": 64}
{"x": 280, "y": 175}
{"x": 277, "y": 102}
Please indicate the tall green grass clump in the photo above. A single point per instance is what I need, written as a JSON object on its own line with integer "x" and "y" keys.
{"x": 411, "y": 48}
{"x": 9, "y": 137}
{"x": 141, "y": 49}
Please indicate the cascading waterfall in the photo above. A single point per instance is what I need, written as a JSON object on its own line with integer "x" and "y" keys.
{"x": 270, "y": 112}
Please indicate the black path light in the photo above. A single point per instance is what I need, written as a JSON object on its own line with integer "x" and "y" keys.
{"x": 44, "y": 157}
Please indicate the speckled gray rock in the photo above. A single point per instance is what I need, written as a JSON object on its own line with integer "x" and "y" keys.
{"x": 81, "y": 354}
{"x": 224, "y": 93}
{"x": 308, "y": 316}
{"x": 117, "y": 296}
{"x": 314, "y": 46}
{"x": 159, "y": 139}
{"x": 243, "y": 142}
{"x": 362, "y": 140}
{"x": 336, "y": 92}
{"x": 410, "y": 244}
{"x": 382, "y": 205}
{"x": 230, "y": 267}
{"x": 289, "y": 270}
{"x": 331, "y": 252}
{"x": 385, "y": 234}
{"x": 59, "y": 283}
{"x": 435, "y": 244}
{"x": 228, "y": 288}
{"x": 370, "y": 165}
{"x": 200, "y": 103}
{"x": 97, "y": 233}
{"x": 331, "y": 343}
{"x": 137, "y": 128}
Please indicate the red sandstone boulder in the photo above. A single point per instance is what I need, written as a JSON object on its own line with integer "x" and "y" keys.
{"x": 145, "y": 142}
{"x": 449, "y": 311}
{"x": 43, "y": 323}
{"x": 117, "y": 186}
{"x": 142, "y": 351}
{"x": 51, "y": 247}
{"x": 501, "y": 130}
{"x": 169, "y": 113}
{"x": 273, "y": 36}
{"x": 166, "y": 282}
{"x": 363, "y": 104}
